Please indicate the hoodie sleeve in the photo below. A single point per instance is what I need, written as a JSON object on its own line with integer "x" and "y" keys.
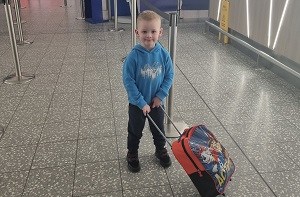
{"x": 168, "y": 79}
{"x": 129, "y": 72}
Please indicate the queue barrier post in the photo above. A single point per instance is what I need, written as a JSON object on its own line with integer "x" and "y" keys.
{"x": 16, "y": 78}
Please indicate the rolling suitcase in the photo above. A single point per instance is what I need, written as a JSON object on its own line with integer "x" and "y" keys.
{"x": 204, "y": 159}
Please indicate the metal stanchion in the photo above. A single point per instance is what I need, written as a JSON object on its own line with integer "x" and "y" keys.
{"x": 21, "y": 40}
{"x": 18, "y": 77}
{"x": 1, "y": 131}
{"x": 65, "y": 4}
{"x": 22, "y": 22}
{"x": 133, "y": 25}
{"x": 82, "y": 17}
{"x": 19, "y": 4}
{"x": 133, "y": 22}
{"x": 179, "y": 4}
{"x": 109, "y": 9}
{"x": 170, "y": 132}
{"x": 116, "y": 18}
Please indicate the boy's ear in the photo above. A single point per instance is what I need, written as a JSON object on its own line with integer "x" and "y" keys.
{"x": 136, "y": 32}
{"x": 161, "y": 31}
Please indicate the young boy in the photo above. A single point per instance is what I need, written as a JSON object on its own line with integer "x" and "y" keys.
{"x": 147, "y": 77}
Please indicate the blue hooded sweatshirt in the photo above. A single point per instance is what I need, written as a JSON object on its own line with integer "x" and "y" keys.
{"x": 147, "y": 74}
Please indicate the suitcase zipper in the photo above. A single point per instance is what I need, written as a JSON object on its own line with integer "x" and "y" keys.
{"x": 198, "y": 170}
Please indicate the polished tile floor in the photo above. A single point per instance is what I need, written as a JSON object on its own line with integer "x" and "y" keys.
{"x": 65, "y": 131}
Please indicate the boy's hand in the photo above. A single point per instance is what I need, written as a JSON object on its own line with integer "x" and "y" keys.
{"x": 156, "y": 102}
{"x": 146, "y": 109}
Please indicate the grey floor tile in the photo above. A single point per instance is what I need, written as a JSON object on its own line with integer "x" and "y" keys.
{"x": 69, "y": 87}
{"x": 261, "y": 133}
{"x": 242, "y": 164}
{"x": 75, "y": 77}
{"x": 42, "y": 86}
{"x": 284, "y": 183}
{"x": 60, "y": 131}
{"x": 74, "y": 65}
{"x": 228, "y": 115}
{"x": 63, "y": 99}
{"x": 98, "y": 75}
{"x": 248, "y": 185}
{"x": 21, "y": 135}
{"x": 120, "y": 108}
{"x": 223, "y": 136}
{"x": 65, "y": 113}
{"x": 290, "y": 111}
{"x": 55, "y": 154}
{"x": 10, "y": 103}
{"x": 151, "y": 174}
{"x": 191, "y": 103}
{"x": 16, "y": 90}
{"x": 16, "y": 158}
{"x": 149, "y": 191}
{"x": 45, "y": 79}
{"x": 121, "y": 123}
{"x": 49, "y": 68}
{"x": 32, "y": 116}
{"x": 176, "y": 174}
{"x": 107, "y": 194}
{"x": 248, "y": 134}
{"x": 96, "y": 111}
{"x": 57, "y": 181}
{"x": 96, "y": 97}
{"x": 100, "y": 177}
{"x": 5, "y": 117}
{"x": 75, "y": 52}
{"x": 203, "y": 116}
{"x": 269, "y": 158}
{"x": 292, "y": 149}
{"x": 31, "y": 101}
{"x": 96, "y": 128}
{"x": 12, "y": 183}
{"x": 119, "y": 95}
{"x": 97, "y": 149}
{"x": 186, "y": 189}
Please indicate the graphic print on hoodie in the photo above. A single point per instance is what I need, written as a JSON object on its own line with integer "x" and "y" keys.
{"x": 151, "y": 71}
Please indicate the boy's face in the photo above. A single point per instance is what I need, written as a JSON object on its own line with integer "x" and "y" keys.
{"x": 148, "y": 32}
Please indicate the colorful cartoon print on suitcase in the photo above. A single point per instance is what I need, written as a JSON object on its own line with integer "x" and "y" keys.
{"x": 204, "y": 159}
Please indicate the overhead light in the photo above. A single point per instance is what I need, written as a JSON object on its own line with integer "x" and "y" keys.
{"x": 248, "y": 25}
{"x": 219, "y": 8}
{"x": 280, "y": 23}
{"x": 270, "y": 22}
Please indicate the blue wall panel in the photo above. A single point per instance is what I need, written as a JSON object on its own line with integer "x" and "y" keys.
{"x": 123, "y": 8}
{"x": 195, "y": 5}
{"x": 165, "y": 6}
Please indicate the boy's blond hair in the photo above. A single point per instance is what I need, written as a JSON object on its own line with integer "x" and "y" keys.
{"x": 148, "y": 15}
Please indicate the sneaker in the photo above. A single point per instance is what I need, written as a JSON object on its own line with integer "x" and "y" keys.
{"x": 164, "y": 158}
{"x": 133, "y": 162}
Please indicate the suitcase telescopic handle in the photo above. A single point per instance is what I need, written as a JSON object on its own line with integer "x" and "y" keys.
{"x": 149, "y": 117}
{"x": 170, "y": 120}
